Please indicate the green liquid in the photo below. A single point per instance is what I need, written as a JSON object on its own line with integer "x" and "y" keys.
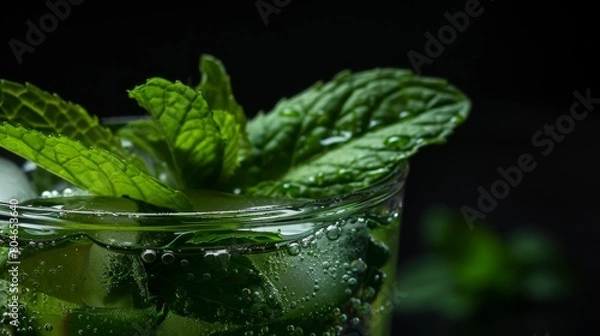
{"x": 322, "y": 277}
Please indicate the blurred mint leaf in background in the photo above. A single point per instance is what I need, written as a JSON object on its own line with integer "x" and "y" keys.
{"x": 467, "y": 271}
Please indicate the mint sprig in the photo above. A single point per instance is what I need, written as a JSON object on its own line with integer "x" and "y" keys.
{"x": 332, "y": 138}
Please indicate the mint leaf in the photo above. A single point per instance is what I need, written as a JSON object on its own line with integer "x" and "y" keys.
{"x": 225, "y": 288}
{"x": 146, "y": 136}
{"x": 350, "y": 132}
{"x": 236, "y": 144}
{"x": 96, "y": 170}
{"x": 227, "y": 238}
{"x": 216, "y": 88}
{"x": 186, "y": 121}
{"x": 34, "y": 108}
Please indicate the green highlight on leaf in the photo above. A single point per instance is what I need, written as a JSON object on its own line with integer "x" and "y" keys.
{"x": 93, "y": 169}
{"x": 344, "y": 135}
{"x": 235, "y": 149}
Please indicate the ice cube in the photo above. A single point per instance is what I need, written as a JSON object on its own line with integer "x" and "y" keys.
{"x": 14, "y": 183}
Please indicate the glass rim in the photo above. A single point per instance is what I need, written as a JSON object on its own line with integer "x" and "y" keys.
{"x": 294, "y": 210}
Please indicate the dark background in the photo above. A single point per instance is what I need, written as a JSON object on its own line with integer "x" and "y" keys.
{"x": 520, "y": 65}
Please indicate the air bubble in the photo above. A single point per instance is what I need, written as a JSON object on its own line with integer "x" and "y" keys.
{"x": 148, "y": 256}
{"x": 333, "y": 232}
{"x": 293, "y": 249}
{"x": 48, "y": 327}
{"x": 359, "y": 266}
{"x": 167, "y": 258}
{"x": 67, "y": 192}
{"x": 184, "y": 262}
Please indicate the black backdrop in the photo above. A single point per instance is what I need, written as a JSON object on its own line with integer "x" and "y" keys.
{"x": 519, "y": 63}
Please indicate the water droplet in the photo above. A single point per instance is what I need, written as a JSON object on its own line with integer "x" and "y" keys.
{"x": 359, "y": 266}
{"x": 319, "y": 234}
{"x": 344, "y": 174}
{"x": 294, "y": 249}
{"x": 333, "y": 232}
{"x": 48, "y": 327}
{"x": 67, "y": 192}
{"x": 355, "y": 321}
{"x": 336, "y": 139}
{"x": 396, "y": 141}
{"x": 374, "y": 123}
{"x": 369, "y": 293}
{"x": 404, "y": 114}
{"x": 167, "y": 257}
{"x": 289, "y": 112}
{"x": 352, "y": 281}
{"x": 148, "y": 256}
{"x": 456, "y": 119}
{"x": 184, "y": 262}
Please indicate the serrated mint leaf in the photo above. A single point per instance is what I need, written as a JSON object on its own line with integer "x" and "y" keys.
{"x": 328, "y": 115}
{"x": 187, "y": 123}
{"x": 34, "y": 108}
{"x": 216, "y": 89}
{"x": 93, "y": 169}
{"x": 345, "y": 134}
